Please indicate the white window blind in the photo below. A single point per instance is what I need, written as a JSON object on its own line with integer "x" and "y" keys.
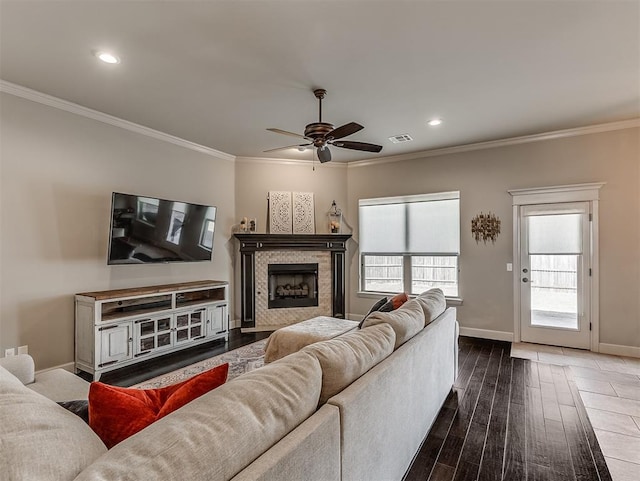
{"x": 418, "y": 224}
{"x": 566, "y": 238}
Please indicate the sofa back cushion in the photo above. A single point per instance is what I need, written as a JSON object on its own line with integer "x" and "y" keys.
{"x": 40, "y": 440}
{"x": 218, "y": 434}
{"x": 344, "y": 359}
{"x": 406, "y": 321}
{"x": 433, "y": 304}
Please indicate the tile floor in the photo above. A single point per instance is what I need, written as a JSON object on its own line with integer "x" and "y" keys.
{"x": 609, "y": 387}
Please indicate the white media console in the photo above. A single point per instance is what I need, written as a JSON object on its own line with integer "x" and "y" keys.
{"x": 121, "y": 327}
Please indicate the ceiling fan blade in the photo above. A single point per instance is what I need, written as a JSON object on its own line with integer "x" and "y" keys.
{"x": 324, "y": 154}
{"x": 285, "y": 132}
{"x": 348, "y": 144}
{"x": 344, "y": 130}
{"x": 287, "y": 147}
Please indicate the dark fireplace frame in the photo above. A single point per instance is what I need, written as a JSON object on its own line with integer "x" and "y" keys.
{"x": 251, "y": 243}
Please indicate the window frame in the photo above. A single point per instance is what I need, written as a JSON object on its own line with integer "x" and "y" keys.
{"x": 206, "y": 223}
{"x": 407, "y": 274}
{"x": 406, "y": 257}
{"x": 141, "y": 203}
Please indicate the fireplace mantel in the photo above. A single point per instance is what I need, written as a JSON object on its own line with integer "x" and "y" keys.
{"x": 314, "y": 242}
{"x": 250, "y": 244}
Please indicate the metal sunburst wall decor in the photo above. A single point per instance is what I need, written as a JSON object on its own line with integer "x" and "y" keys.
{"x": 485, "y": 227}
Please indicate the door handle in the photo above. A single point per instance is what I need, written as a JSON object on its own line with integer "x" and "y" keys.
{"x": 524, "y": 279}
{"x": 525, "y": 270}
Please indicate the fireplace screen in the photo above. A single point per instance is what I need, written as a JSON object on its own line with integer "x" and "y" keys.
{"x": 293, "y": 285}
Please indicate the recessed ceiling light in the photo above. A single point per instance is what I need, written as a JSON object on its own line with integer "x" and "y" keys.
{"x": 434, "y": 122}
{"x": 107, "y": 57}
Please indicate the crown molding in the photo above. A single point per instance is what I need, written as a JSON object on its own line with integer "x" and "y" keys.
{"x": 491, "y": 144}
{"x": 269, "y": 160}
{"x": 55, "y": 102}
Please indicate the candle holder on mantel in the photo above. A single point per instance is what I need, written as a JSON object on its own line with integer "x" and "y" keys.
{"x": 335, "y": 218}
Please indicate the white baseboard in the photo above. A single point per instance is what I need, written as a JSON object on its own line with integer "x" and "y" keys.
{"x": 618, "y": 350}
{"x": 486, "y": 334}
{"x": 235, "y": 323}
{"x": 69, "y": 366}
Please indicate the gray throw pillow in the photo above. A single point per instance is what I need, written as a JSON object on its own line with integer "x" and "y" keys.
{"x": 374, "y": 308}
{"x": 79, "y": 407}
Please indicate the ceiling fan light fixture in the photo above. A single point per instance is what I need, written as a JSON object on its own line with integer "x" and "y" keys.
{"x": 107, "y": 57}
{"x": 323, "y": 134}
{"x": 434, "y": 122}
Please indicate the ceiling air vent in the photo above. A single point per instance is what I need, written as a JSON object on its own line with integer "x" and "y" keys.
{"x": 398, "y": 139}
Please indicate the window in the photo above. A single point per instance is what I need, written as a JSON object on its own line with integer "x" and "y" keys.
{"x": 206, "y": 236}
{"x": 410, "y": 243}
{"x": 176, "y": 222}
{"x": 147, "y": 210}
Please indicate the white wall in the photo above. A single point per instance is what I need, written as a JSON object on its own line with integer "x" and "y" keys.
{"x": 483, "y": 178}
{"x": 57, "y": 174}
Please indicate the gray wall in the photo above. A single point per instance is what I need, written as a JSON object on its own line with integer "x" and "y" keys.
{"x": 483, "y": 178}
{"x": 255, "y": 178}
{"x": 58, "y": 172}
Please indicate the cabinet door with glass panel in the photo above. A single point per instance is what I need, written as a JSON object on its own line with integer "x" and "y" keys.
{"x": 152, "y": 334}
{"x": 190, "y": 325}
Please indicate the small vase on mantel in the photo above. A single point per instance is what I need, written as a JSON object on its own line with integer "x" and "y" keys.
{"x": 335, "y": 218}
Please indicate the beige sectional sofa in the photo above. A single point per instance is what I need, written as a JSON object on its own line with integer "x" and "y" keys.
{"x": 353, "y": 408}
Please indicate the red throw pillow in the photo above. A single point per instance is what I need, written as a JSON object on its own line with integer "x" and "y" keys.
{"x": 399, "y": 299}
{"x": 115, "y": 413}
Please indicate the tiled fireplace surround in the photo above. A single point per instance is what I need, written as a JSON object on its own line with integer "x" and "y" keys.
{"x": 259, "y": 250}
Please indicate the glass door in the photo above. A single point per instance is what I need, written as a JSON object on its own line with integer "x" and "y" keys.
{"x": 554, "y": 277}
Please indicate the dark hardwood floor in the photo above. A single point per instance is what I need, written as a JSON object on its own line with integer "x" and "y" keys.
{"x": 137, "y": 373}
{"x": 509, "y": 419}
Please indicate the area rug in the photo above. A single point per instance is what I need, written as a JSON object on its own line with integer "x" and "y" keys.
{"x": 241, "y": 360}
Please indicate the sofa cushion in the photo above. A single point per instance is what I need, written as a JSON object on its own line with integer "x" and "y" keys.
{"x": 60, "y": 385}
{"x": 115, "y": 413}
{"x": 217, "y": 435}
{"x": 40, "y": 440}
{"x": 346, "y": 358}
{"x": 406, "y": 321}
{"x": 433, "y": 304}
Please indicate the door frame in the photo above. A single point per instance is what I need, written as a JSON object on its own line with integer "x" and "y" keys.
{"x": 589, "y": 192}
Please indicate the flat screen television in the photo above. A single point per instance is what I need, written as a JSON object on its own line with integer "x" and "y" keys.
{"x": 147, "y": 230}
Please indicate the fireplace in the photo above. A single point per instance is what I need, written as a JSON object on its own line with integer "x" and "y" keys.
{"x": 293, "y": 285}
{"x": 318, "y": 289}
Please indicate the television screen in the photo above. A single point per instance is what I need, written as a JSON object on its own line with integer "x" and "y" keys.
{"x": 151, "y": 230}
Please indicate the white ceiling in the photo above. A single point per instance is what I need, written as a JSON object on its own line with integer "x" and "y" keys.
{"x": 219, "y": 73}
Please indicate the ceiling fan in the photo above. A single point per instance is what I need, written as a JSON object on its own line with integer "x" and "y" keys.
{"x": 321, "y": 135}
